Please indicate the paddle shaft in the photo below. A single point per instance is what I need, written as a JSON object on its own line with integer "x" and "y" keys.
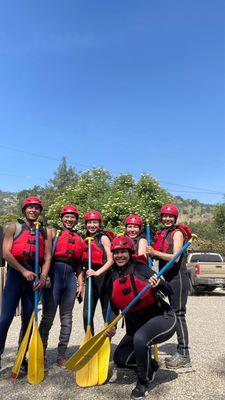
{"x": 89, "y": 284}
{"x": 148, "y": 237}
{"x": 36, "y": 268}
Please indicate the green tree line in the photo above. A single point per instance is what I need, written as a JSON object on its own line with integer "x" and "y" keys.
{"x": 116, "y": 197}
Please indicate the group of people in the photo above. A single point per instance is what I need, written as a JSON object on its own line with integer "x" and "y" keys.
{"x": 118, "y": 271}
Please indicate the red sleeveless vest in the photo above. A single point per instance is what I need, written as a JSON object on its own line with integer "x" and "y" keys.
{"x": 23, "y": 247}
{"x": 126, "y": 287}
{"x": 98, "y": 254}
{"x": 69, "y": 246}
{"x": 163, "y": 240}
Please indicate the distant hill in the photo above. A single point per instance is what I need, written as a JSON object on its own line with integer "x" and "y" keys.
{"x": 193, "y": 210}
{"x": 8, "y": 202}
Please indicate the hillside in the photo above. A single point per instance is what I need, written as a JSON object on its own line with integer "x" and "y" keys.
{"x": 8, "y": 202}
{"x": 193, "y": 210}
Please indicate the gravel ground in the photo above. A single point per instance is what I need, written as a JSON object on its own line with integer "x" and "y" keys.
{"x": 206, "y": 379}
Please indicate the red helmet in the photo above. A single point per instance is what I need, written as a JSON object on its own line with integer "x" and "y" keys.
{"x": 169, "y": 209}
{"x": 70, "y": 209}
{"x": 123, "y": 242}
{"x": 134, "y": 219}
{"x": 93, "y": 214}
{"x": 32, "y": 200}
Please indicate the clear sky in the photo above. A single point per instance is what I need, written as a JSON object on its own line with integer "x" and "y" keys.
{"x": 130, "y": 85}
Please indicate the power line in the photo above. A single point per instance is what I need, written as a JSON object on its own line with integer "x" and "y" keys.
{"x": 202, "y": 190}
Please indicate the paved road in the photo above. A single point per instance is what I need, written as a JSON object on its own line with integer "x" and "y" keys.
{"x": 206, "y": 380}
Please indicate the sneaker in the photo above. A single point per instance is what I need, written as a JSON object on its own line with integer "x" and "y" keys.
{"x": 61, "y": 361}
{"x": 178, "y": 361}
{"x": 168, "y": 359}
{"x": 139, "y": 391}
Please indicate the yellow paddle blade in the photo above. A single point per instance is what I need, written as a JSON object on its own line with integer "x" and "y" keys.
{"x": 103, "y": 361}
{"x": 88, "y": 375}
{"x": 36, "y": 357}
{"x": 22, "y": 350}
{"x": 89, "y": 349}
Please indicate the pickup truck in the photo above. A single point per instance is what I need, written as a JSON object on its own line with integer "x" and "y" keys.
{"x": 206, "y": 271}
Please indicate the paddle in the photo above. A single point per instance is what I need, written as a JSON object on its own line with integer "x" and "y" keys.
{"x": 82, "y": 356}
{"x": 104, "y": 353}
{"x": 36, "y": 352}
{"x": 23, "y": 347}
{"x": 88, "y": 375}
{"x": 150, "y": 264}
{"x": 58, "y": 232}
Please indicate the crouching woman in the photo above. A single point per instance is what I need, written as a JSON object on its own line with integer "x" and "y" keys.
{"x": 150, "y": 321}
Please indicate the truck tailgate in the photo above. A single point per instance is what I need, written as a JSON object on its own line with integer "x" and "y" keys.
{"x": 216, "y": 270}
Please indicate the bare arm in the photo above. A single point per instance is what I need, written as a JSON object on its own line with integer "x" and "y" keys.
{"x": 12, "y": 261}
{"x": 107, "y": 246}
{"x": 142, "y": 247}
{"x": 178, "y": 241}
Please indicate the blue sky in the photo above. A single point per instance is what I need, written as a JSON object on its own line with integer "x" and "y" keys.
{"x": 132, "y": 86}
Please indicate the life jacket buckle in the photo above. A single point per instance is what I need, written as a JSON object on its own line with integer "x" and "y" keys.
{"x": 69, "y": 251}
{"x": 127, "y": 291}
{"x": 123, "y": 279}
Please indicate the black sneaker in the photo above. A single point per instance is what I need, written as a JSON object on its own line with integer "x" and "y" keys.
{"x": 24, "y": 366}
{"x": 139, "y": 391}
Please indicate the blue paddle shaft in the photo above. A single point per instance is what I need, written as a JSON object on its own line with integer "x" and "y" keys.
{"x": 89, "y": 285}
{"x": 54, "y": 244}
{"x": 36, "y": 296}
{"x": 108, "y": 312}
{"x": 148, "y": 237}
{"x": 163, "y": 270}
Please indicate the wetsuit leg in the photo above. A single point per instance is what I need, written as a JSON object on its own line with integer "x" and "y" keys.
{"x": 11, "y": 296}
{"x": 27, "y": 307}
{"x": 178, "y": 301}
{"x": 51, "y": 300}
{"x": 124, "y": 355}
{"x": 66, "y": 308}
{"x": 157, "y": 330}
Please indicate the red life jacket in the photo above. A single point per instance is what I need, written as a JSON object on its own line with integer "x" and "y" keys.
{"x": 69, "y": 246}
{"x": 163, "y": 240}
{"x": 98, "y": 254}
{"x": 126, "y": 287}
{"x": 23, "y": 246}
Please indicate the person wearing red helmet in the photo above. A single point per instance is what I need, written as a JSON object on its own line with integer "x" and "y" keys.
{"x": 66, "y": 277}
{"x": 101, "y": 261}
{"x": 150, "y": 321}
{"x": 19, "y": 252}
{"x": 168, "y": 241}
{"x": 134, "y": 229}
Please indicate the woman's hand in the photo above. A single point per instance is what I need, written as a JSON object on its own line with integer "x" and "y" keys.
{"x": 91, "y": 272}
{"x": 150, "y": 251}
{"x": 29, "y": 275}
{"x": 154, "y": 280}
{"x": 110, "y": 332}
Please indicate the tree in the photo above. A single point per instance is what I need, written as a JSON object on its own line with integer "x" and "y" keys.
{"x": 219, "y": 218}
{"x": 64, "y": 176}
